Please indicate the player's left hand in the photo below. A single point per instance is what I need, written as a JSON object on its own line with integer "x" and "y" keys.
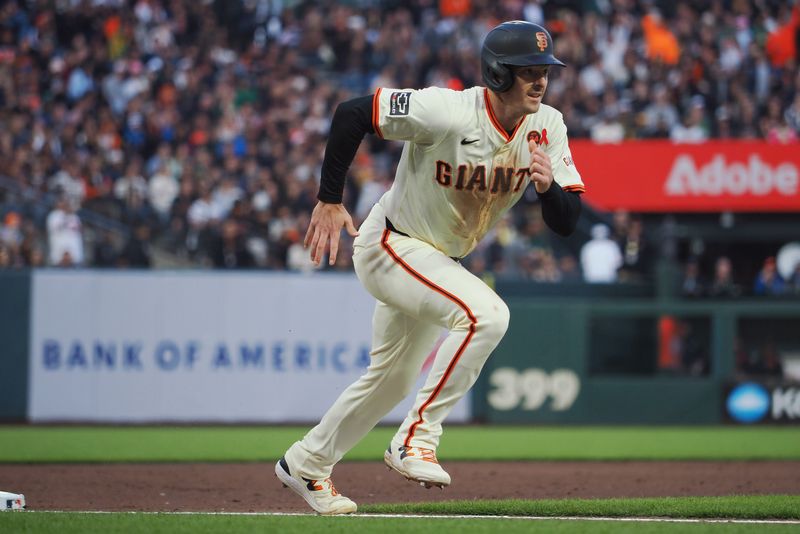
{"x": 324, "y": 229}
{"x": 541, "y": 169}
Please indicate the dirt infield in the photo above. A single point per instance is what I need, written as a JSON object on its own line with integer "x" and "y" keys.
{"x": 252, "y": 487}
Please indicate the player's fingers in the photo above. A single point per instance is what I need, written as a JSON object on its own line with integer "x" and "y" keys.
{"x": 309, "y": 234}
{"x": 319, "y": 250}
{"x": 541, "y": 157}
{"x": 334, "y": 248}
{"x": 350, "y": 227}
{"x": 314, "y": 242}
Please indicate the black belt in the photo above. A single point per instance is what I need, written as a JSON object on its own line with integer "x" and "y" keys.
{"x": 391, "y": 228}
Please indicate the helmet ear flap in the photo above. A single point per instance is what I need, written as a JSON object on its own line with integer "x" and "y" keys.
{"x": 496, "y": 76}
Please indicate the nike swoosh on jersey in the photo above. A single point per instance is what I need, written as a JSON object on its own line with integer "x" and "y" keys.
{"x": 469, "y": 142}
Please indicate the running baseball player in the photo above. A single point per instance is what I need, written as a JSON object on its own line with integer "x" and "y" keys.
{"x": 468, "y": 157}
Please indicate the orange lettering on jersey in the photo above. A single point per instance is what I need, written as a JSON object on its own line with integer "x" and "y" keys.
{"x": 502, "y": 179}
{"x": 541, "y": 41}
{"x": 478, "y": 178}
{"x": 462, "y": 175}
{"x": 444, "y": 172}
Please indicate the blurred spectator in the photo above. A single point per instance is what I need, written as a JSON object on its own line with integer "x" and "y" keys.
{"x": 793, "y": 283}
{"x": 131, "y": 183}
{"x": 65, "y": 235}
{"x": 6, "y": 261}
{"x": 11, "y": 232}
{"x": 600, "y": 257}
{"x": 763, "y": 360}
{"x": 608, "y": 129}
{"x": 568, "y": 266}
{"x": 747, "y": 361}
{"x": 693, "y": 129}
{"x": 768, "y": 281}
{"x": 229, "y": 251}
{"x": 296, "y": 257}
{"x": 168, "y": 113}
{"x": 782, "y": 41}
{"x": 620, "y": 223}
{"x": 203, "y": 215}
{"x": 681, "y": 347}
{"x": 136, "y": 252}
{"x": 722, "y": 284}
{"x": 661, "y": 116}
{"x": 692, "y": 285}
{"x": 162, "y": 190}
{"x": 105, "y": 251}
{"x": 662, "y": 44}
{"x": 771, "y": 360}
{"x": 540, "y": 265}
{"x": 636, "y": 253}
{"x": 792, "y": 114}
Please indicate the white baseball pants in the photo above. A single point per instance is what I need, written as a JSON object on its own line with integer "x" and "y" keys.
{"x": 419, "y": 291}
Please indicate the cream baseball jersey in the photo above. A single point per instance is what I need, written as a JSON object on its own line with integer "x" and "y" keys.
{"x": 460, "y": 170}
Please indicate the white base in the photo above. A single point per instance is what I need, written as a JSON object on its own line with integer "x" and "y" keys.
{"x": 11, "y": 501}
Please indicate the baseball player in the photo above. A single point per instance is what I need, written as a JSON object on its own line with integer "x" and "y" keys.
{"x": 468, "y": 157}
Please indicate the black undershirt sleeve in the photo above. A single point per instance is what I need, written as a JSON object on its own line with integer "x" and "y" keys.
{"x": 560, "y": 209}
{"x": 351, "y": 121}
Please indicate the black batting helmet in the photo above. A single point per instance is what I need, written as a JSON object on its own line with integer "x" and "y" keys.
{"x": 514, "y": 44}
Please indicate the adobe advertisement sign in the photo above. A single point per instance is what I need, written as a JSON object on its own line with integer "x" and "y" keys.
{"x": 656, "y": 176}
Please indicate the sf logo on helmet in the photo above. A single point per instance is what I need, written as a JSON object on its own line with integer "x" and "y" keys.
{"x": 541, "y": 41}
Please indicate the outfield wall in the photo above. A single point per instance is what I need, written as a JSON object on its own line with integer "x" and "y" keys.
{"x": 134, "y": 347}
{"x": 164, "y": 346}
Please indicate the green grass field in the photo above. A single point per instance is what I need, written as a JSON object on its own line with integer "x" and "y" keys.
{"x": 194, "y": 524}
{"x": 741, "y": 507}
{"x": 226, "y": 444}
{"x": 34, "y": 444}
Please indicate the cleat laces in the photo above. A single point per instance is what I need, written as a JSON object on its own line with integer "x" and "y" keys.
{"x": 314, "y": 486}
{"x": 426, "y": 455}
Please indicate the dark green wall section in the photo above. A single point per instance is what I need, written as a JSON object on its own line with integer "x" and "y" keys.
{"x": 596, "y": 360}
{"x": 15, "y": 297}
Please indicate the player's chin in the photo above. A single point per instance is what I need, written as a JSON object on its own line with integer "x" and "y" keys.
{"x": 532, "y": 103}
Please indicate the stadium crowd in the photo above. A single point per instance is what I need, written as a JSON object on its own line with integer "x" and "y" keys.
{"x": 198, "y": 127}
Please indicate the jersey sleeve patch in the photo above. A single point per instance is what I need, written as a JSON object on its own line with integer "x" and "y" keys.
{"x": 399, "y": 102}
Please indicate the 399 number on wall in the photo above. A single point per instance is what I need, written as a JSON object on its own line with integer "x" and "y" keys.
{"x": 529, "y": 389}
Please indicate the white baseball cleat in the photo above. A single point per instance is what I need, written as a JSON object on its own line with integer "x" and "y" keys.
{"x": 319, "y": 494}
{"x": 417, "y": 464}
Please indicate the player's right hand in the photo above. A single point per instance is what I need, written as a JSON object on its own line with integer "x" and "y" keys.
{"x": 324, "y": 230}
{"x": 541, "y": 168}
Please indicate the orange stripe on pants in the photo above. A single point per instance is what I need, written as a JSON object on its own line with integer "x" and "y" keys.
{"x": 472, "y": 328}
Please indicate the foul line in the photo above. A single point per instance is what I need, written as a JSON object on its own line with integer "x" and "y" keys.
{"x": 443, "y": 516}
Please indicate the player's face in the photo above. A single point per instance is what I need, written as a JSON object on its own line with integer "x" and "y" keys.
{"x": 529, "y": 86}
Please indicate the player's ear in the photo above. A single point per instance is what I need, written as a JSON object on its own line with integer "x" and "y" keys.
{"x": 496, "y": 76}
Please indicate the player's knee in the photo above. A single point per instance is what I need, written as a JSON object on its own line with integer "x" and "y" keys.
{"x": 493, "y": 322}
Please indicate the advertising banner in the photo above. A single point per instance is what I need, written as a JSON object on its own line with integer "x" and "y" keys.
{"x": 204, "y": 347}
{"x": 661, "y": 176}
{"x": 762, "y": 402}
